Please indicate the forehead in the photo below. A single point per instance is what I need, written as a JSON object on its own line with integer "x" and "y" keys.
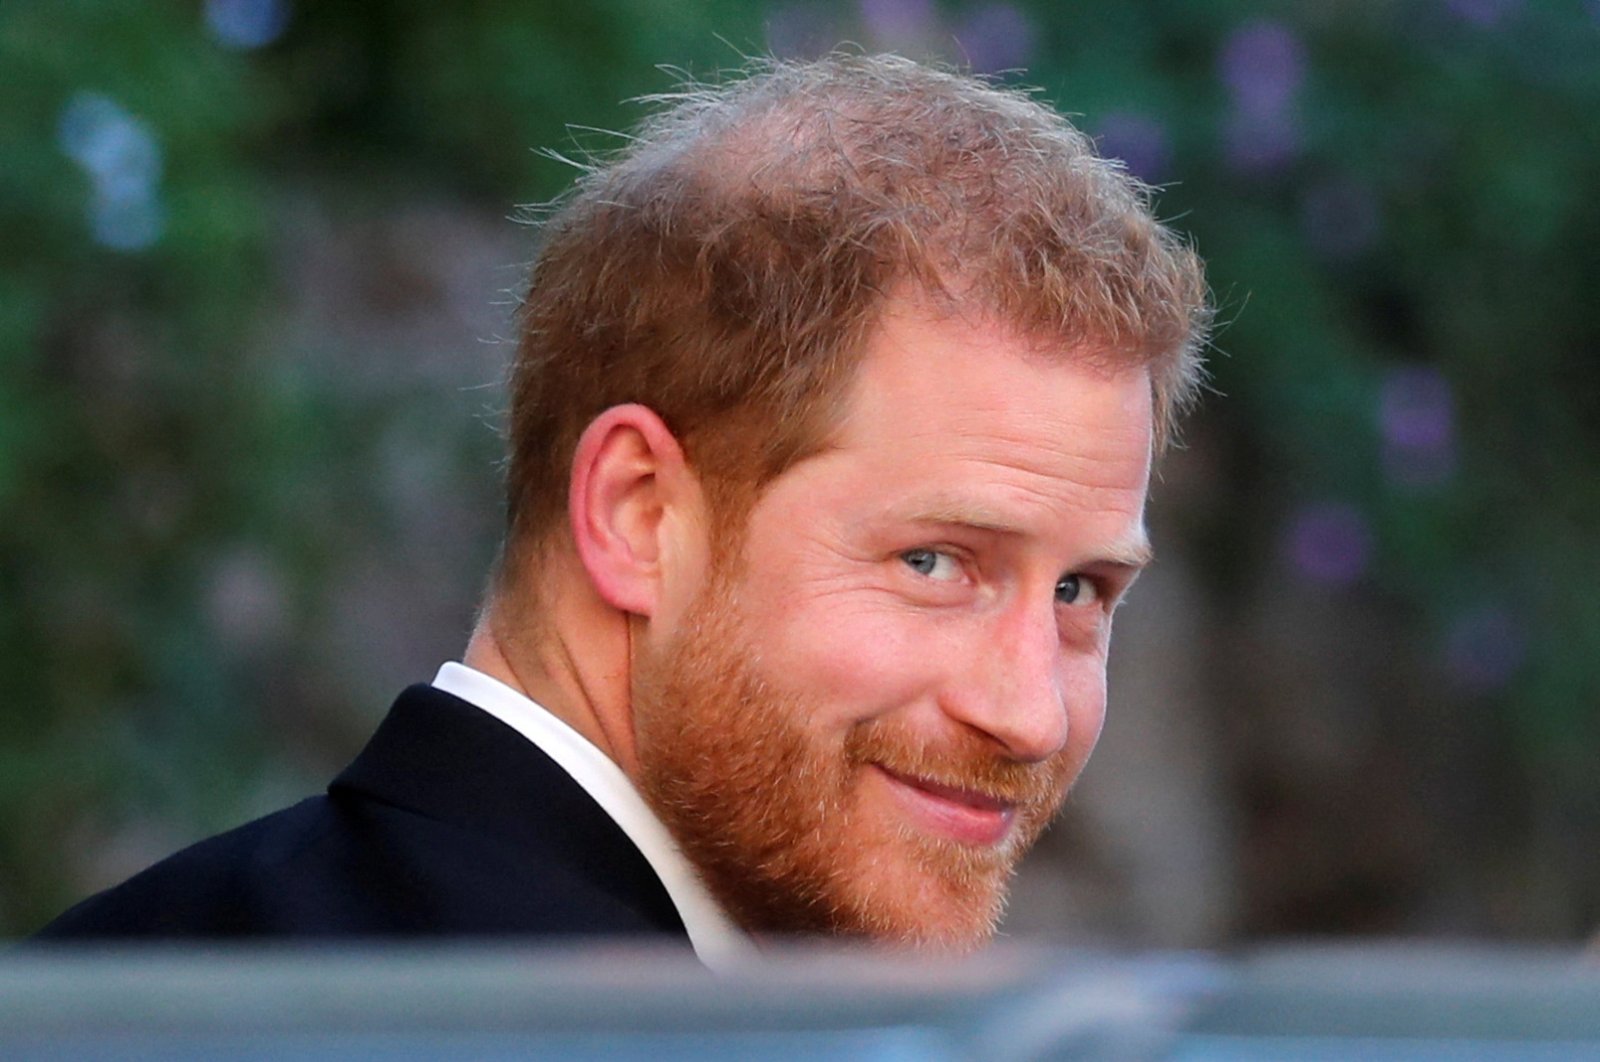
{"x": 960, "y": 381}
{"x": 926, "y": 355}
{"x": 961, "y": 419}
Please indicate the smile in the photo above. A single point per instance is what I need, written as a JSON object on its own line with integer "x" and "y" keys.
{"x": 962, "y": 815}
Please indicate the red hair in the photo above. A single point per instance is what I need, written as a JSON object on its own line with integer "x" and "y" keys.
{"x": 725, "y": 267}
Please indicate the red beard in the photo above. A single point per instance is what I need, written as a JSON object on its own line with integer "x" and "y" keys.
{"x": 772, "y": 811}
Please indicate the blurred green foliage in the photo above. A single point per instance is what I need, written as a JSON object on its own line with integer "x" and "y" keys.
{"x": 1395, "y": 199}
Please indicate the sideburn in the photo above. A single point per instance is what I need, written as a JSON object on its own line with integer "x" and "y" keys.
{"x": 715, "y": 745}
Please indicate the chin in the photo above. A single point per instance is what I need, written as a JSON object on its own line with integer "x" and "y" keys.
{"x": 924, "y": 893}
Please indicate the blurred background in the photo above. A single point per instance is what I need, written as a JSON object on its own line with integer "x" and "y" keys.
{"x": 257, "y": 264}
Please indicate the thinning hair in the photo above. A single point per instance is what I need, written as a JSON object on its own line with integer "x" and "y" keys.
{"x": 725, "y": 267}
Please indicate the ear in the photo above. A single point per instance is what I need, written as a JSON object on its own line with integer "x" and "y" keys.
{"x": 631, "y": 492}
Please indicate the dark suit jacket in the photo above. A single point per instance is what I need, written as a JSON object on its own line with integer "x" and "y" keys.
{"x": 449, "y": 822}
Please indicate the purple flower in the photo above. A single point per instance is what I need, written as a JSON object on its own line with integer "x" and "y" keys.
{"x": 1484, "y": 13}
{"x": 1416, "y": 417}
{"x": 1262, "y": 65}
{"x": 1139, "y": 141}
{"x": 896, "y": 23}
{"x": 996, "y": 37}
{"x": 1329, "y": 542}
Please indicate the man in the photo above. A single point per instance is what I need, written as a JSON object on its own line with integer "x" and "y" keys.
{"x": 831, "y": 424}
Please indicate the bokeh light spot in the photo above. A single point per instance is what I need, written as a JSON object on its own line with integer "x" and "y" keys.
{"x": 1329, "y": 542}
{"x": 247, "y": 24}
{"x": 116, "y": 149}
{"x": 1139, "y": 141}
{"x": 1417, "y": 420}
{"x": 996, "y": 37}
{"x": 1485, "y": 13}
{"x": 123, "y": 161}
{"x": 895, "y": 24}
{"x": 1262, "y": 65}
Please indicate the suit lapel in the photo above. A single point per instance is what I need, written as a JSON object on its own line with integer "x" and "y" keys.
{"x": 442, "y": 758}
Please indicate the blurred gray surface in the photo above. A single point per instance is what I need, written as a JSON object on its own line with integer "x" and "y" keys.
{"x": 615, "y": 1002}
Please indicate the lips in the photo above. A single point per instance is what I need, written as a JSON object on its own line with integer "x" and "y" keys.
{"x": 962, "y": 814}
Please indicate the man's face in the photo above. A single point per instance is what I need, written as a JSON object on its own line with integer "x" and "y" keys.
{"x": 866, "y": 715}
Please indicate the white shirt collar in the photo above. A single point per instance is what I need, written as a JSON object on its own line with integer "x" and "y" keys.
{"x": 712, "y": 934}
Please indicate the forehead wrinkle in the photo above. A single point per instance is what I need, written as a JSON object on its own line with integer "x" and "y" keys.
{"x": 1071, "y": 463}
{"x": 1012, "y": 514}
{"x": 963, "y": 512}
{"x": 1011, "y": 420}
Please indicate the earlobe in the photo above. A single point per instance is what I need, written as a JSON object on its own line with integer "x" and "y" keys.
{"x": 627, "y": 473}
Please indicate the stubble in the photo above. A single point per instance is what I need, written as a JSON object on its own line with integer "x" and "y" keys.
{"x": 771, "y": 812}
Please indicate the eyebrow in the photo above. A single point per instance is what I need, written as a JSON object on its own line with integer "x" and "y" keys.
{"x": 962, "y": 514}
{"x": 1134, "y": 552}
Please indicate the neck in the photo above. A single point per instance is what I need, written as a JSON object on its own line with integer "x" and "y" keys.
{"x": 575, "y": 661}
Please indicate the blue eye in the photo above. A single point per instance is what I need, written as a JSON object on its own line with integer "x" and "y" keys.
{"x": 932, "y": 563}
{"x": 1075, "y": 590}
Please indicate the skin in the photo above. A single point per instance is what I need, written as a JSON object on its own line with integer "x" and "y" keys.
{"x": 860, "y": 722}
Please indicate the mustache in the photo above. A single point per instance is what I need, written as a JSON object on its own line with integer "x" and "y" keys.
{"x": 965, "y": 761}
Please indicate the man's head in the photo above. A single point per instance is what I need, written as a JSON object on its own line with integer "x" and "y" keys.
{"x": 840, "y": 386}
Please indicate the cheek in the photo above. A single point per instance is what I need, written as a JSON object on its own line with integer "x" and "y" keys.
{"x": 1086, "y": 710}
{"x": 853, "y": 661}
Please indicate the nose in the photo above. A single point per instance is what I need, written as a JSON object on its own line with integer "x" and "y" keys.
{"x": 1016, "y": 685}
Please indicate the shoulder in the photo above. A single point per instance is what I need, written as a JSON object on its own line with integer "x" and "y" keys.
{"x": 448, "y": 823}
{"x": 206, "y": 889}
